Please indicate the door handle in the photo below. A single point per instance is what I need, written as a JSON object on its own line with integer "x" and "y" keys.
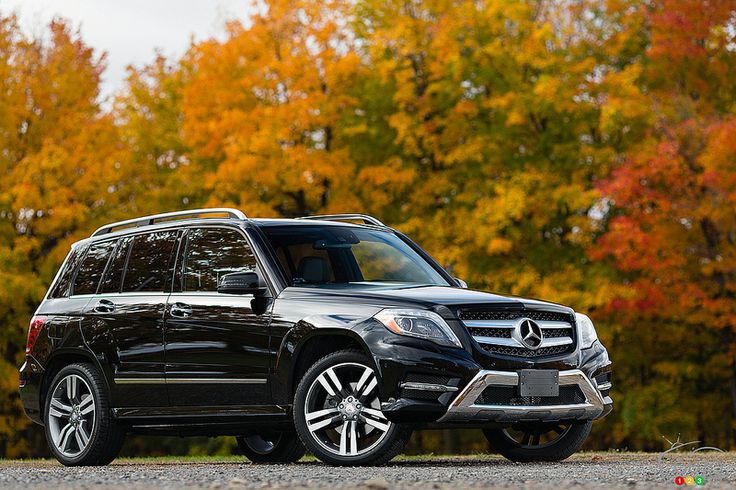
{"x": 181, "y": 310}
{"x": 105, "y": 306}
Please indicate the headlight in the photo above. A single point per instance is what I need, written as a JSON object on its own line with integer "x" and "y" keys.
{"x": 422, "y": 324}
{"x": 586, "y": 331}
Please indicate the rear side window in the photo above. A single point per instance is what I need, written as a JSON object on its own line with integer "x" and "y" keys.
{"x": 212, "y": 253}
{"x": 149, "y": 263}
{"x": 92, "y": 268}
{"x": 114, "y": 276}
{"x": 63, "y": 286}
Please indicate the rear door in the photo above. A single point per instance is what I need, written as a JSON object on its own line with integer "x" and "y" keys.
{"x": 216, "y": 344}
{"x": 131, "y": 303}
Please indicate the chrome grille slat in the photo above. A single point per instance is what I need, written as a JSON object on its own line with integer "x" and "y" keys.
{"x": 510, "y": 324}
{"x": 514, "y": 343}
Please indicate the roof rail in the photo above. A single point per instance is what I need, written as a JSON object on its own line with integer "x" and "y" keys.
{"x": 173, "y": 216}
{"x": 346, "y": 217}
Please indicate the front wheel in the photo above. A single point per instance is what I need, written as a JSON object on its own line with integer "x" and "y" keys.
{"x": 529, "y": 442}
{"x": 338, "y": 415}
{"x": 271, "y": 447}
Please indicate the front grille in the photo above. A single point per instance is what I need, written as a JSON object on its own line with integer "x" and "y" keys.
{"x": 504, "y": 333}
{"x": 553, "y": 333}
{"x": 495, "y": 331}
{"x": 508, "y": 395}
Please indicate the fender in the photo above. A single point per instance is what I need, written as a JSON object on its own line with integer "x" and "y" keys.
{"x": 73, "y": 345}
{"x": 303, "y": 332}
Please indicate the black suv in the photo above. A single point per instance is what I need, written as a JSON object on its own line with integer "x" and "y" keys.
{"x": 314, "y": 333}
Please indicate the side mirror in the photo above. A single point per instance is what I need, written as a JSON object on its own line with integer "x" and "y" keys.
{"x": 241, "y": 283}
{"x": 461, "y": 283}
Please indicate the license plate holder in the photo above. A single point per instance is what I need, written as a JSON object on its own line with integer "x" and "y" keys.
{"x": 539, "y": 382}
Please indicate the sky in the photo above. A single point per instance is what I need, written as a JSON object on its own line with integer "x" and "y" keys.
{"x": 131, "y": 31}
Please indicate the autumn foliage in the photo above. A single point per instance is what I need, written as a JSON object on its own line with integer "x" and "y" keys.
{"x": 581, "y": 151}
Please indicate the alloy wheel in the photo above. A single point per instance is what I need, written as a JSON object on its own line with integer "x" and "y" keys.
{"x": 342, "y": 410}
{"x": 71, "y": 416}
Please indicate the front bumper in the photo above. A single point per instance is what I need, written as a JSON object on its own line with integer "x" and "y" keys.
{"x": 469, "y": 407}
{"x": 426, "y": 384}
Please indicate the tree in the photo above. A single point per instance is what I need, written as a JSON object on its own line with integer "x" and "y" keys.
{"x": 262, "y": 111}
{"x": 59, "y": 158}
{"x": 672, "y": 233}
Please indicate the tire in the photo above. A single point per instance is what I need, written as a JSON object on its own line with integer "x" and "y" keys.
{"x": 271, "y": 447}
{"x": 78, "y": 422}
{"x": 539, "y": 442}
{"x": 346, "y": 426}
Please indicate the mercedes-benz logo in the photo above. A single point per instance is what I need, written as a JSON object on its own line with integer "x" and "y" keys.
{"x": 529, "y": 333}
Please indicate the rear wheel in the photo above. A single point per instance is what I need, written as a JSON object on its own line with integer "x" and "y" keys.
{"x": 338, "y": 415}
{"x": 528, "y": 442}
{"x": 271, "y": 447}
{"x": 79, "y": 426}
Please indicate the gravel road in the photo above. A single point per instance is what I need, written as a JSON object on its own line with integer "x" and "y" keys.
{"x": 591, "y": 470}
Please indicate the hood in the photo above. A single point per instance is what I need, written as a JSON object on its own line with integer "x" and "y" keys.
{"x": 423, "y": 296}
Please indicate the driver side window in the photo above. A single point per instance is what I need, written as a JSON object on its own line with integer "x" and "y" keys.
{"x": 212, "y": 253}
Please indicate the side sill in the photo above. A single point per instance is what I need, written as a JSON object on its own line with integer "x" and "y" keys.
{"x": 198, "y": 412}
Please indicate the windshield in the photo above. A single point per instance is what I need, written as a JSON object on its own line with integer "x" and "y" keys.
{"x": 340, "y": 255}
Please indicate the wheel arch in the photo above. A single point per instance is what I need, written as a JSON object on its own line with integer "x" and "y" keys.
{"x": 318, "y": 344}
{"x": 60, "y": 359}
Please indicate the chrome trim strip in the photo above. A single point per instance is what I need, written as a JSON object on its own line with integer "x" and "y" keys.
{"x": 604, "y": 386}
{"x": 236, "y": 381}
{"x": 410, "y": 385}
{"x": 512, "y": 342}
{"x": 140, "y": 381}
{"x": 149, "y": 381}
{"x": 555, "y": 341}
{"x": 489, "y": 323}
{"x": 464, "y": 406}
{"x": 543, "y": 324}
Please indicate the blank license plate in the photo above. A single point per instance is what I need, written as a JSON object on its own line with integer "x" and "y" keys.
{"x": 539, "y": 382}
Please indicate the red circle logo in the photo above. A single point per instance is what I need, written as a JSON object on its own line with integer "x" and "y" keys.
{"x": 679, "y": 480}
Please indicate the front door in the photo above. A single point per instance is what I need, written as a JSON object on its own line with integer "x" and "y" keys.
{"x": 216, "y": 344}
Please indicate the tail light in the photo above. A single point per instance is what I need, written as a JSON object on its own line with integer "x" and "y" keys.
{"x": 37, "y": 323}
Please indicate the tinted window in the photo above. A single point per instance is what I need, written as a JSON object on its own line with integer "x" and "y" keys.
{"x": 92, "y": 268}
{"x": 212, "y": 253}
{"x": 114, "y": 274}
{"x": 63, "y": 285}
{"x": 149, "y": 262}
